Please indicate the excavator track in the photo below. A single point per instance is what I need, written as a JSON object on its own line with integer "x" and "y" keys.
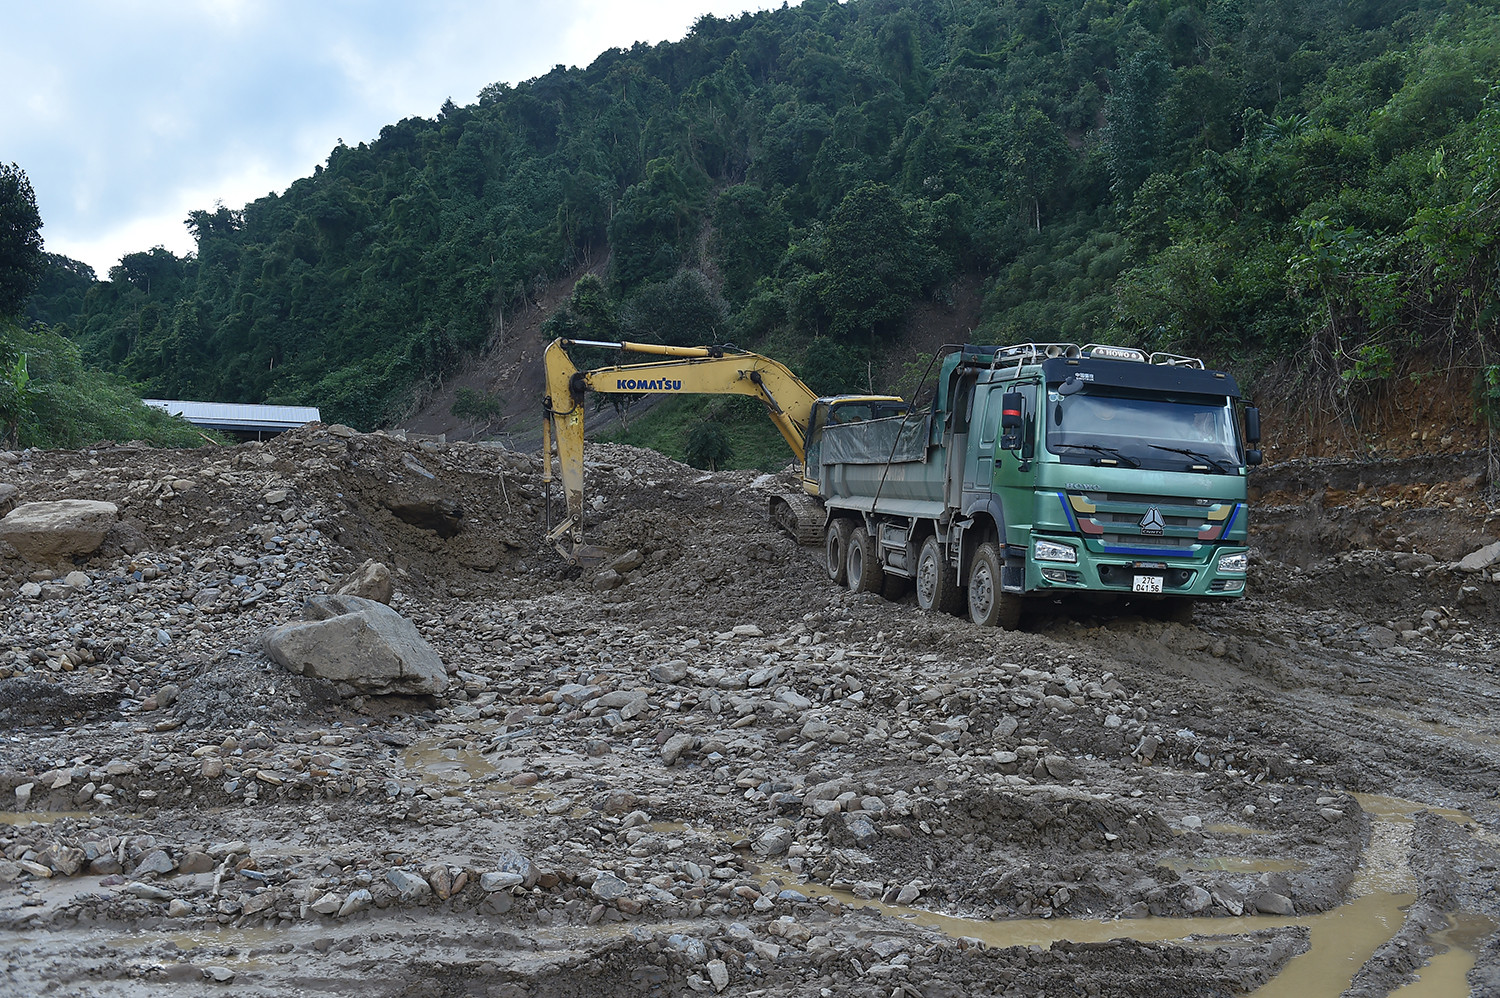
{"x": 800, "y": 517}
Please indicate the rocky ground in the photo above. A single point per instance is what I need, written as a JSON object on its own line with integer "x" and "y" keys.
{"x": 707, "y": 770}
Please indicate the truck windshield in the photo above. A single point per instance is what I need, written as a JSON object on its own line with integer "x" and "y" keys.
{"x": 1183, "y": 434}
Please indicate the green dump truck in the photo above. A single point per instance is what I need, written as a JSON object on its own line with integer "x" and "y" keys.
{"x": 1047, "y": 471}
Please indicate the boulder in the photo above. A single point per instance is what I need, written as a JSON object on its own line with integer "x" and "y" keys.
{"x": 47, "y": 531}
{"x": 8, "y": 493}
{"x": 361, "y": 643}
{"x": 1475, "y": 561}
{"x": 372, "y": 580}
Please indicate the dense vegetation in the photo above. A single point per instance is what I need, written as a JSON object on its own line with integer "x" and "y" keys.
{"x": 1254, "y": 179}
{"x": 48, "y": 397}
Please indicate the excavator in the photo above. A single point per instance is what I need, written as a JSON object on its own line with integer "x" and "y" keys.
{"x": 795, "y": 410}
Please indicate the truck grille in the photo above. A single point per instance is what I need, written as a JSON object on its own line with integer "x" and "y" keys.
{"x": 1137, "y": 499}
{"x": 1139, "y": 540}
{"x": 1175, "y": 524}
{"x": 1133, "y": 518}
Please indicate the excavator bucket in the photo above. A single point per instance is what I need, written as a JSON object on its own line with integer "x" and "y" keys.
{"x": 588, "y": 556}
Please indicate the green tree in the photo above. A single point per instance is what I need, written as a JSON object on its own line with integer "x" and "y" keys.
{"x": 588, "y": 314}
{"x": 653, "y": 230}
{"x": 750, "y": 234}
{"x": 833, "y": 368}
{"x": 17, "y": 393}
{"x": 1134, "y": 131}
{"x": 685, "y": 311}
{"x": 471, "y": 404}
{"x": 21, "y": 259}
{"x": 708, "y": 446}
{"x": 872, "y": 261}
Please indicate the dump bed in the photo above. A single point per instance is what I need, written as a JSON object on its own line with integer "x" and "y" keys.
{"x": 893, "y": 458}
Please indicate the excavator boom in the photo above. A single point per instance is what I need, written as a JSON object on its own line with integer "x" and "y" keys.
{"x": 681, "y": 371}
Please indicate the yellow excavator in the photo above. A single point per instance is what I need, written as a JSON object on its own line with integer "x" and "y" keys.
{"x": 795, "y": 409}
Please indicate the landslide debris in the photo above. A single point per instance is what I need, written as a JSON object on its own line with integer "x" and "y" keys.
{"x": 701, "y": 768}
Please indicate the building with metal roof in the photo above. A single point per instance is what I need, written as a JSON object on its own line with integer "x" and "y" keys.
{"x": 250, "y": 421}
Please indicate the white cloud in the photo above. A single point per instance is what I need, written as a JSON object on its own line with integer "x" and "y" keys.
{"x": 163, "y": 221}
{"x": 128, "y": 114}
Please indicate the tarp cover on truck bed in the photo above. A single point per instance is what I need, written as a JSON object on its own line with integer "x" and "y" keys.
{"x": 876, "y": 441}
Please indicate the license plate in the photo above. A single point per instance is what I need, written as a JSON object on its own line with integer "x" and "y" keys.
{"x": 1147, "y": 584}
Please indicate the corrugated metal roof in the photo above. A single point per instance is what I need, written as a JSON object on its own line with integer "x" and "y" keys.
{"x": 235, "y": 416}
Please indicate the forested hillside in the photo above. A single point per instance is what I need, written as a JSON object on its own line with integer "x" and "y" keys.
{"x": 1255, "y": 179}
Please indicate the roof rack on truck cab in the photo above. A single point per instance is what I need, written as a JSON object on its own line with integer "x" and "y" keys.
{"x": 1034, "y": 353}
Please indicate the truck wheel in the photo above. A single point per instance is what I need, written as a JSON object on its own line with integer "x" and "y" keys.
{"x": 990, "y": 605}
{"x": 862, "y": 566}
{"x": 836, "y": 546}
{"x": 937, "y": 583}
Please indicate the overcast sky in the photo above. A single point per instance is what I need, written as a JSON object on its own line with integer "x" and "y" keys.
{"x": 128, "y": 114}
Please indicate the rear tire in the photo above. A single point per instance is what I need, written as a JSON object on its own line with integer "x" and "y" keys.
{"x": 862, "y": 566}
{"x": 836, "y": 547}
{"x": 937, "y": 583}
{"x": 989, "y": 604}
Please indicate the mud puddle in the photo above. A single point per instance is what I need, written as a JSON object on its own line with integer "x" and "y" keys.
{"x": 1399, "y": 809}
{"x": 1447, "y": 972}
{"x": 1341, "y": 940}
{"x": 38, "y": 817}
{"x": 227, "y": 944}
{"x": 452, "y": 765}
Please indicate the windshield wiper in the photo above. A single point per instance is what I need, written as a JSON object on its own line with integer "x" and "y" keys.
{"x": 1217, "y": 466}
{"x": 1112, "y": 452}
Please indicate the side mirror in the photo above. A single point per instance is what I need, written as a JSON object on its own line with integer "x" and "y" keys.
{"x": 1252, "y": 457}
{"x": 1252, "y": 424}
{"x": 1011, "y": 406}
{"x": 1010, "y": 410}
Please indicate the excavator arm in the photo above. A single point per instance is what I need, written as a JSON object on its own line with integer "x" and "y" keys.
{"x": 681, "y": 371}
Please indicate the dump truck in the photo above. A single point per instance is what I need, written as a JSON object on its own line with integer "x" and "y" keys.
{"x": 1046, "y": 472}
{"x": 798, "y": 412}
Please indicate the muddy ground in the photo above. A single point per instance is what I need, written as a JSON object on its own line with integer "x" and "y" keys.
{"x": 711, "y": 771}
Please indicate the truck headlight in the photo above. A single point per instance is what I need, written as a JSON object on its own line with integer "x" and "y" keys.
{"x": 1234, "y": 562}
{"x": 1053, "y": 551}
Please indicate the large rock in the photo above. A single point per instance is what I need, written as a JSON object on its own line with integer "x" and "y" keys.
{"x": 372, "y": 580}
{"x": 1475, "y": 561}
{"x": 47, "y": 531}
{"x": 360, "y": 642}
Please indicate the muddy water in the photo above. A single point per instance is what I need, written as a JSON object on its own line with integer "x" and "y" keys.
{"x": 1399, "y": 809}
{"x": 233, "y": 946}
{"x": 1447, "y": 972}
{"x": 38, "y": 817}
{"x": 1341, "y": 941}
{"x": 450, "y": 765}
{"x": 1485, "y": 737}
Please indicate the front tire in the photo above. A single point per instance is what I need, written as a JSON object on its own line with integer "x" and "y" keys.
{"x": 862, "y": 567}
{"x": 937, "y": 583}
{"x": 989, "y": 604}
{"x": 836, "y": 547}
